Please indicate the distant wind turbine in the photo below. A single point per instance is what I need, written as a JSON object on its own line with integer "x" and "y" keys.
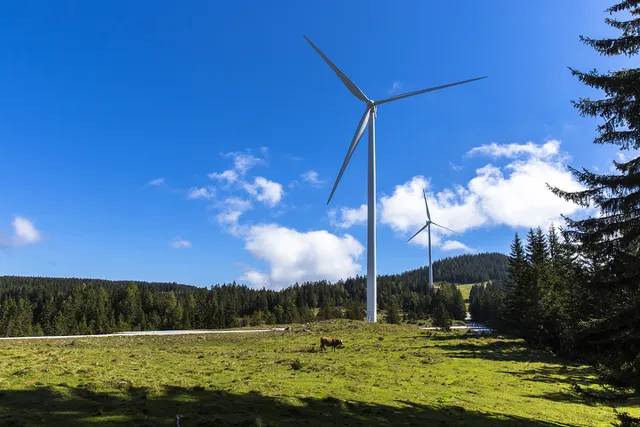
{"x": 428, "y": 227}
{"x": 368, "y": 118}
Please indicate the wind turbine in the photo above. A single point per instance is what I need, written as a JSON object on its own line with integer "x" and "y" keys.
{"x": 428, "y": 227}
{"x": 368, "y": 118}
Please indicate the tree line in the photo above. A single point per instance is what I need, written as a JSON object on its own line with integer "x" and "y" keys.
{"x": 577, "y": 290}
{"x": 55, "y": 306}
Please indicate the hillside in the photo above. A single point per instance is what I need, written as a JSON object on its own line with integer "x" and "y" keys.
{"x": 50, "y": 306}
{"x": 468, "y": 268}
{"x": 54, "y": 285}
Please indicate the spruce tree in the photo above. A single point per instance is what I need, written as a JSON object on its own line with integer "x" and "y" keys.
{"x": 459, "y": 311}
{"x": 441, "y": 317}
{"x": 514, "y": 303}
{"x": 393, "y": 316}
{"x": 612, "y": 238}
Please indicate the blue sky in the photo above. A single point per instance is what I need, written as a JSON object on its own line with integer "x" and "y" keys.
{"x": 197, "y": 142}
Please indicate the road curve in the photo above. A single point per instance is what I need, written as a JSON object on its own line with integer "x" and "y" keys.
{"x": 148, "y": 333}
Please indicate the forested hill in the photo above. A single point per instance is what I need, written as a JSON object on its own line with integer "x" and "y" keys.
{"x": 54, "y": 285}
{"x": 471, "y": 268}
{"x": 50, "y": 306}
{"x": 467, "y": 268}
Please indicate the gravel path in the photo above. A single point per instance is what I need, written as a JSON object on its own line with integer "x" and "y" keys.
{"x": 129, "y": 334}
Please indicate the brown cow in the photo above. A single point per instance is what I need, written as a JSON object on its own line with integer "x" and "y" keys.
{"x": 331, "y": 342}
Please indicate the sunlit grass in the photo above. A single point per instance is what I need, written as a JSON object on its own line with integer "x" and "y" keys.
{"x": 384, "y": 375}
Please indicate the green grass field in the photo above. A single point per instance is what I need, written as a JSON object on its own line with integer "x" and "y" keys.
{"x": 465, "y": 290}
{"x": 385, "y": 375}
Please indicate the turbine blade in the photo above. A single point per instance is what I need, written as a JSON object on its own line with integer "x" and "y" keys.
{"x": 355, "y": 90}
{"x": 354, "y": 143}
{"x": 425, "y": 226}
{"x": 431, "y": 89}
{"x": 426, "y": 205}
{"x": 442, "y": 226}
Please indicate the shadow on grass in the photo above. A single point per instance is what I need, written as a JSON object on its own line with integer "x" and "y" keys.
{"x": 69, "y": 406}
{"x": 591, "y": 396}
{"x": 498, "y": 349}
{"x": 555, "y": 374}
{"x": 448, "y": 336}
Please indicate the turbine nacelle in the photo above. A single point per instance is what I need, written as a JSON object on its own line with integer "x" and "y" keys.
{"x": 371, "y": 105}
{"x": 428, "y": 222}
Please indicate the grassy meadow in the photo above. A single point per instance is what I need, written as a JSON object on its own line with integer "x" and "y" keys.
{"x": 465, "y": 290}
{"x": 385, "y": 375}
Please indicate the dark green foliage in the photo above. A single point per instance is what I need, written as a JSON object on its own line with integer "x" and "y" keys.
{"x": 40, "y": 305}
{"x": 355, "y": 310}
{"x": 485, "y": 304}
{"x": 393, "y": 316}
{"x": 451, "y": 298}
{"x": 541, "y": 300}
{"x": 470, "y": 268}
{"x": 514, "y": 302}
{"x": 609, "y": 243}
{"x": 441, "y": 317}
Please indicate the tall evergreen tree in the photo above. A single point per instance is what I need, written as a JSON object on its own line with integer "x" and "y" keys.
{"x": 612, "y": 239}
{"x": 393, "y": 315}
{"x": 514, "y": 303}
{"x": 442, "y": 317}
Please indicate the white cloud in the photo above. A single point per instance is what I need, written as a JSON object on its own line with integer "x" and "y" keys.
{"x": 231, "y": 209}
{"x": 311, "y": 177}
{"x": 157, "y": 181}
{"x": 405, "y": 213}
{"x": 24, "y": 233}
{"x": 242, "y": 162}
{"x": 547, "y": 150}
{"x": 454, "y": 245}
{"x": 522, "y": 199}
{"x": 256, "y": 278}
{"x": 455, "y": 167}
{"x": 207, "y": 193}
{"x": 179, "y": 243}
{"x": 625, "y": 157}
{"x": 348, "y": 217}
{"x": 515, "y": 195}
{"x": 295, "y": 256}
{"x": 268, "y": 192}
{"x": 228, "y": 175}
{"x": 395, "y": 88}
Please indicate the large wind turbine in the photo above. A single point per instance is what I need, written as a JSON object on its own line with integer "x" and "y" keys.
{"x": 368, "y": 118}
{"x": 428, "y": 227}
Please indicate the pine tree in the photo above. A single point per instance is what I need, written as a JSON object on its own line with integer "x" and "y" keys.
{"x": 355, "y": 310}
{"x": 441, "y": 317}
{"x": 459, "y": 311}
{"x": 612, "y": 239}
{"x": 392, "y": 313}
{"x": 514, "y": 303}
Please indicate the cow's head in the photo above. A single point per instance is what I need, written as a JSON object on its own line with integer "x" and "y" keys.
{"x": 339, "y": 342}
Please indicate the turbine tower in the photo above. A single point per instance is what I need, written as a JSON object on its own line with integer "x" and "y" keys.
{"x": 368, "y": 119}
{"x": 428, "y": 227}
